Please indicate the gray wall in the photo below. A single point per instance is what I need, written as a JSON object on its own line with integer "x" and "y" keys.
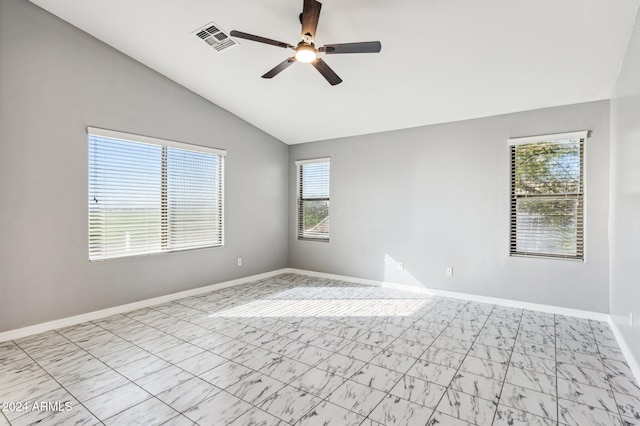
{"x": 430, "y": 197}
{"x": 625, "y": 196}
{"x": 55, "y": 81}
{"x": 438, "y": 196}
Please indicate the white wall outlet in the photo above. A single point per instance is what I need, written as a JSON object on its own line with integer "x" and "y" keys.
{"x": 239, "y": 261}
{"x": 449, "y": 271}
{"x": 400, "y": 266}
{"x": 630, "y": 319}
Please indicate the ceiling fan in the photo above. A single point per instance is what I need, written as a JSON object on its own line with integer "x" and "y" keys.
{"x": 306, "y": 50}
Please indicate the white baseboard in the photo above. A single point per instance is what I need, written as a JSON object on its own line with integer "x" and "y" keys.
{"x": 464, "y": 296}
{"x": 626, "y": 350}
{"x": 628, "y": 354}
{"x": 92, "y": 316}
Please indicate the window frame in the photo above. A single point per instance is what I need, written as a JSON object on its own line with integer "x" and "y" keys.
{"x": 579, "y": 137}
{"x": 300, "y": 231}
{"x": 165, "y": 145}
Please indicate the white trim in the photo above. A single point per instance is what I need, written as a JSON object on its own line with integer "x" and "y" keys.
{"x": 91, "y": 316}
{"x": 626, "y": 350}
{"x": 95, "y": 315}
{"x": 464, "y": 296}
{"x": 549, "y": 138}
{"x": 598, "y": 316}
{"x": 313, "y": 160}
{"x": 151, "y": 140}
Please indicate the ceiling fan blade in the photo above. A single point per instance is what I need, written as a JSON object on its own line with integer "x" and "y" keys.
{"x": 326, "y": 72}
{"x": 310, "y": 17}
{"x": 280, "y": 67}
{"x": 259, "y": 39}
{"x": 361, "y": 47}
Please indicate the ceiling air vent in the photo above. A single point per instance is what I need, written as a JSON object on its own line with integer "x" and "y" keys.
{"x": 215, "y": 37}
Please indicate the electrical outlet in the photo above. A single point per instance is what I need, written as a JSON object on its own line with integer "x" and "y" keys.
{"x": 239, "y": 261}
{"x": 401, "y": 266}
{"x": 449, "y": 271}
{"x": 630, "y": 319}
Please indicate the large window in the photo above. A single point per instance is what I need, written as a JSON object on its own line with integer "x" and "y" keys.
{"x": 547, "y": 196}
{"x": 149, "y": 195}
{"x": 313, "y": 198}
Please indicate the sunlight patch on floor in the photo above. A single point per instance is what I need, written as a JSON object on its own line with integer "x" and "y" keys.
{"x": 325, "y": 308}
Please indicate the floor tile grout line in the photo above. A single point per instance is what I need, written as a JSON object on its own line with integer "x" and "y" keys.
{"x": 142, "y": 402}
{"x": 388, "y": 393}
{"x": 286, "y": 384}
{"x": 402, "y": 375}
{"x": 326, "y": 398}
{"x": 352, "y": 375}
{"x": 600, "y": 358}
{"x": 504, "y": 379}
{"x": 581, "y": 403}
{"x": 462, "y": 361}
{"x": 166, "y": 329}
{"x": 615, "y": 400}
{"x": 60, "y": 384}
{"x": 555, "y": 358}
{"x": 229, "y": 393}
{"x": 454, "y": 375}
{"x": 194, "y": 376}
{"x": 257, "y": 403}
{"x": 222, "y": 390}
{"x": 174, "y": 364}
{"x": 135, "y": 319}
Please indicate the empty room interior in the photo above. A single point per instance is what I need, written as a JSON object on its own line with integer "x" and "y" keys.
{"x": 428, "y": 213}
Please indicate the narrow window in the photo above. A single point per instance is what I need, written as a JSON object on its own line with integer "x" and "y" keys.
{"x": 547, "y": 196}
{"x": 313, "y": 198}
{"x": 149, "y": 195}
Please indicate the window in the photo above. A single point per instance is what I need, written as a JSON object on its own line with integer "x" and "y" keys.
{"x": 149, "y": 195}
{"x": 547, "y": 198}
{"x": 313, "y": 198}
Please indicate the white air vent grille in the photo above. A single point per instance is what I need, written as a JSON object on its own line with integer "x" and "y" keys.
{"x": 215, "y": 37}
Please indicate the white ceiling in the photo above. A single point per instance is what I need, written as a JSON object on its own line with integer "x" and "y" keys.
{"x": 441, "y": 60}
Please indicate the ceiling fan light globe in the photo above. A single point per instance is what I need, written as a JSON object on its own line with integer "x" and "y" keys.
{"x": 306, "y": 55}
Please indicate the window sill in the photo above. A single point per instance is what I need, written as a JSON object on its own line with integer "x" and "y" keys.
{"x": 318, "y": 239}
{"x": 547, "y": 257}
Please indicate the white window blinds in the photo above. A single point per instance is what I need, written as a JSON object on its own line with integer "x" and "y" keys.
{"x": 547, "y": 196}
{"x": 313, "y": 198}
{"x": 149, "y": 195}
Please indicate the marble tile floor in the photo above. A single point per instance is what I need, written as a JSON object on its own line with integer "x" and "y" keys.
{"x": 294, "y": 349}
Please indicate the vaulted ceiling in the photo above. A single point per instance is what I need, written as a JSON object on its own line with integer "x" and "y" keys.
{"x": 441, "y": 60}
